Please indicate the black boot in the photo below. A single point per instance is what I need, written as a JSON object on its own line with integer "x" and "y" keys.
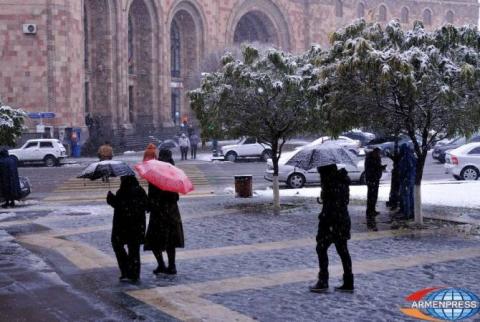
{"x": 171, "y": 270}
{"x": 322, "y": 284}
{"x": 347, "y": 284}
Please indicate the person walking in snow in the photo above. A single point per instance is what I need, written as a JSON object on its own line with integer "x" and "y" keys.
{"x": 9, "y": 180}
{"x": 184, "y": 143}
{"x": 407, "y": 172}
{"x": 165, "y": 229}
{"x": 130, "y": 204}
{"x": 150, "y": 152}
{"x": 373, "y": 174}
{"x": 334, "y": 226}
{"x": 194, "y": 140}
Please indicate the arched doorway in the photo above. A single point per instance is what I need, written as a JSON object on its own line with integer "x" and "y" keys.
{"x": 255, "y": 26}
{"x": 98, "y": 63}
{"x": 186, "y": 51}
{"x": 140, "y": 65}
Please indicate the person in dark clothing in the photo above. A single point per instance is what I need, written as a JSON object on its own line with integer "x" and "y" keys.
{"x": 194, "y": 139}
{"x": 165, "y": 229}
{"x": 373, "y": 174}
{"x": 334, "y": 226}
{"x": 407, "y": 173}
{"x": 9, "y": 181}
{"x": 394, "y": 197}
{"x": 129, "y": 204}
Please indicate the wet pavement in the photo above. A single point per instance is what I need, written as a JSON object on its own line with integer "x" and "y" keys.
{"x": 241, "y": 263}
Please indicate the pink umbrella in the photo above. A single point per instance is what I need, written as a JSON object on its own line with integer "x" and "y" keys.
{"x": 165, "y": 176}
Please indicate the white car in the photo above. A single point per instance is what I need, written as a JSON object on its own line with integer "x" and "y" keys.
{"x": 296, "y": 178}
{"x": 464, "y": 162}
{"x": 343, "y": 141}
{"x": 49, "y": 151}
{"x": 246, "y": 147}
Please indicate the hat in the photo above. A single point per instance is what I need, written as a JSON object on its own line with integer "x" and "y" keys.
{"x": 150, "y": 152}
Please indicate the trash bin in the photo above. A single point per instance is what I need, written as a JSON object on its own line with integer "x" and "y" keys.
{"x": 243, "y": 186}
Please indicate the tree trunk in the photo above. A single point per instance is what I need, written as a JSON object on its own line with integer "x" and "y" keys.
{"x": 276, "y": 186}
{"x": 418, "y": 187}
{"x": 276, "y": 195}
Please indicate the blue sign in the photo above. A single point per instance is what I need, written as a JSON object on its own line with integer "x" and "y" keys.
{"x": 41, "y": 115}
{"x": 34, "y": 115}
{"x": 47, "y": 115}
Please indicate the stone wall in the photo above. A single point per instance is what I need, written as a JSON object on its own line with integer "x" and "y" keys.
{"x": 49, "y": 71}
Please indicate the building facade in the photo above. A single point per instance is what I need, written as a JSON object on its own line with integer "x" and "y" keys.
{"x": 131, "y": 61}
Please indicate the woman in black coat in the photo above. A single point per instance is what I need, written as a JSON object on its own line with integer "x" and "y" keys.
{"x": 130, "y": 204}
{"x": 165, "y": 229}
{"x": 9, "y": 181}
{"x": 334, "y": 226}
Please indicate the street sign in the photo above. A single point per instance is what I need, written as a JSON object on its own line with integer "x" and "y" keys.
{"x": 47, "y": 115}
{"x": 41, "y": 115}
{"x": 34, "y": 115}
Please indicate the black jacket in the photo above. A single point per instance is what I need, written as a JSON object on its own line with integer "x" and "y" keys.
{"x": 373, "y": 168}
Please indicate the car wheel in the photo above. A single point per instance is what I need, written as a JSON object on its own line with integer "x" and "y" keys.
{"x": 469, "y": 173}
{"x": 50, "y": 161}
{"x": 267, "y": 154}
{"x": 296, "y": 180}
{"x": 231, "y": 156}
{"x": 457, "y": 177}
{"x": 362, "y": 180}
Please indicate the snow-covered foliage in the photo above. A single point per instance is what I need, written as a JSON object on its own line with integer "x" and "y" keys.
{"x": 415, "y": 81}
{"x": 266, "y": 95}
{"x": 11, "y": 121}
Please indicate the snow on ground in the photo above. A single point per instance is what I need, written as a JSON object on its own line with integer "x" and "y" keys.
{"x": 462, "y": 194}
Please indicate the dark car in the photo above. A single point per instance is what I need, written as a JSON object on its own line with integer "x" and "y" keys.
{"x": 386, "y": 144}
{"x": 363, "y": 137}
{"x": 440, "y": 151}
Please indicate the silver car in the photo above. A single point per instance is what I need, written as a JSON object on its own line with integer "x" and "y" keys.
{"x": 296, "y": 178}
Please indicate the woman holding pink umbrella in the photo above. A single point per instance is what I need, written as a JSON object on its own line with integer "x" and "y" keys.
{"x": 165, "y": 229}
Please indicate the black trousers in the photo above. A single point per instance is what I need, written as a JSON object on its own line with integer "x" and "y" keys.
{"x": 129, "y": 263}
{"x": 372, "y": 196}
{"x": 193, "y": 151}
{"x": 184, "y": 151}
{"x": 342, "y": 250}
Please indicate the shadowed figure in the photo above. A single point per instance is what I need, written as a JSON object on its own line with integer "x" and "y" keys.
{"x": 130, "y": 204}
{"x": 334, "y": 226}
{"x": 165, "y": 229}
{"x": 407, "y": 171}
{"x": 9, "y": 181}
{"x": 373, "y": 174}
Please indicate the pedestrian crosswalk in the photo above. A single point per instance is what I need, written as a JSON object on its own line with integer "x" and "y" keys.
{"x": 77, "y": 190}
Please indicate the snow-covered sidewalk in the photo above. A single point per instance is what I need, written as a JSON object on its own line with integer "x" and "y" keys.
{"x": 458, "y": 194}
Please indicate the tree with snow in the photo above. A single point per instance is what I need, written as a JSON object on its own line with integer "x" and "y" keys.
{"x": 11, "y": 124}
{"x": 265, "y": 95}
{"x": 426, "y": 82}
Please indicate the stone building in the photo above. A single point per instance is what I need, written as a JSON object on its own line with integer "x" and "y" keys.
{"x": 131, "y": 61}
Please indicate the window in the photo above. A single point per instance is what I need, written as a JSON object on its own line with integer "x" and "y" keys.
{"x": 85, "y": 36}
{"x": 450, "y": 16}
{"x": 175, "y": 50}
{"x": 46, "y": 145}
{"x": 338, "y": 8}
{"x": 250, "y": 141}
{"x": 131, "y": 105}
{"x": 87, "y": 97}
{"x": 427, "y": 17}
{"x": 130, "y": 46}
{"x": 404, "y": 16}
{"x": 31, "y": 145}
{"x": 361, "y": 10}
{"x": 175, "y": 106}
{"x": 475, "y": 151}
{"x": 382, "y": 13}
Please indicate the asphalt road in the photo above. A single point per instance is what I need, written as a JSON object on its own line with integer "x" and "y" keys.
{"x": 219, "y": 174}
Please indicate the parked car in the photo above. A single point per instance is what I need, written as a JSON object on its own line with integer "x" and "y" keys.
{"x": 439, "y": 151}
{"x": 343, "y": 141}
{"x": 49, "y": 151}
{"x": 464, "y": 162}
{"x": 295, "y": 177}
{"x": 246, "y": 147}
{"x": 386, "y": 144}
{"x": 362, "y": 137}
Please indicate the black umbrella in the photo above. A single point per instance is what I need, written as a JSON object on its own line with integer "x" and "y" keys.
{"x": 105, "y": 169}
{"x": 322, "y": 155}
